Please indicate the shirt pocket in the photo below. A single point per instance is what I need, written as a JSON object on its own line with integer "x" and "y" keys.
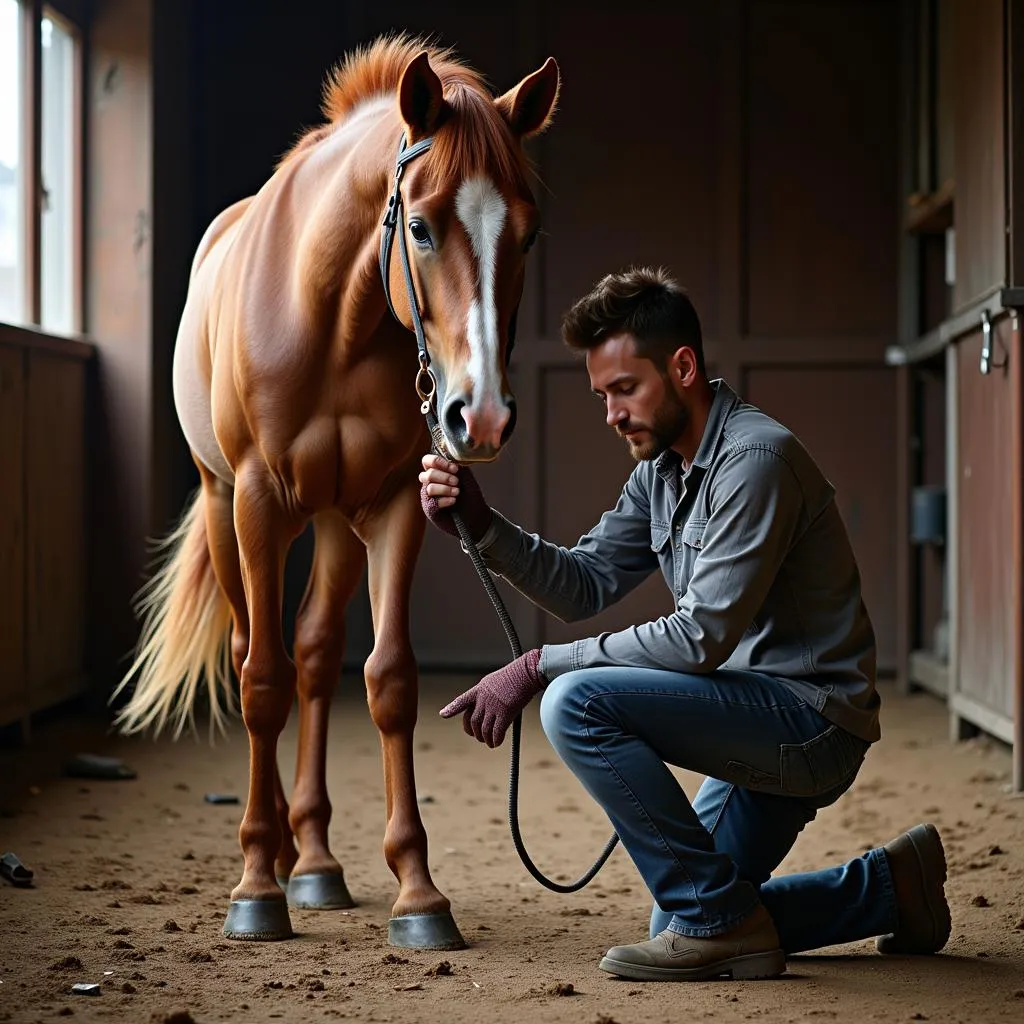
{"x": 660, "y": 534}
{"x": 693, "y": 534}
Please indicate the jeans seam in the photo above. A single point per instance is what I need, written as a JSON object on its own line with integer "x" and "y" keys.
{"x": 721, "y": 808}
{"x": 636, "y": 803}
{"x": 693, "y": 696}
{"x": 881, "y": 862}
{"x": 681, "y": 929}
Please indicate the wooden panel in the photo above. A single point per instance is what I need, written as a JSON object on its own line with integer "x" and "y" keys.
{"x": 13, "y": 682}
{"x": 987, "y": 636}
{"x": 119, "y": 293}
{"x": 821, "y": 167}
{"x": 945, "y": 110}
{"x": 933, "y": 472}
{"x": 1017, "y": 548}
{"x": 825, "y": 408}
{"x": 174, "y": 115}
{"x": 574, "y": 497}
{"x": 1015, "y": 144}
{"x": 631, "y": 163}
{"x": 56, "y": 532}
{"x": 907, "y": 589}
{"x": 979, "y": 150}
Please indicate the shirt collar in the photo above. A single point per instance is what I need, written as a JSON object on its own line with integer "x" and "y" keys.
{"x": 668, "y": 463}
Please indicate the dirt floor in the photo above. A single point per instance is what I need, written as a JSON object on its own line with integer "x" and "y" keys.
{"x": 132, "y": 881}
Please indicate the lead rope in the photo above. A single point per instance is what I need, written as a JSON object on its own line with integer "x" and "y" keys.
{"x": 517, "y": 724}
{"x": 426, "y": 388}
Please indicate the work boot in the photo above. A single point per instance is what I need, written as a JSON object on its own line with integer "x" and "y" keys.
{"x": 749, "y": 950}
{"x": 917, "y": 864}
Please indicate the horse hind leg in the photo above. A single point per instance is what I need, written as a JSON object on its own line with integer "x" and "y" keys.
{"x": 318, "y": 881}
{"x": 265, "y": 532}
{"x": 421, "y": 916}
{"x": 220, "y": 531}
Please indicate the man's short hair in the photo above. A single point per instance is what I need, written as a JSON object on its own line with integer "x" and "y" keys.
{"x": 644, "y": 302}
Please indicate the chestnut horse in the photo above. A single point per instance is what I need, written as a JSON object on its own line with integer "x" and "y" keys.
{"x": 296, "y": 390}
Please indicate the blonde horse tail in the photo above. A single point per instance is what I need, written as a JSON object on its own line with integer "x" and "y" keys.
{"x": 185, "y": 636}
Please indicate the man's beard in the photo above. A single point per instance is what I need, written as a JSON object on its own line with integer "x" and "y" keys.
{"x": 669, "y": 422}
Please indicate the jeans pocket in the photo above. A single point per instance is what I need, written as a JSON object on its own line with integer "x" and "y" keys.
{"x": 821, "y": 765}
{"x": 742, "y": 774}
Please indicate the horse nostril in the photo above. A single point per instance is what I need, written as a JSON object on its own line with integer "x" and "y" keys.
{"x": 453, "y": 421}
{"x": 511, "y": 425}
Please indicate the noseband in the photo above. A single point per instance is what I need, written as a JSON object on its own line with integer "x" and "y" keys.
{"x": 426, "y": 383}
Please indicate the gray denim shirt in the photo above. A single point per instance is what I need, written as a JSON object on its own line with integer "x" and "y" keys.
{"x": 754, "y": 552}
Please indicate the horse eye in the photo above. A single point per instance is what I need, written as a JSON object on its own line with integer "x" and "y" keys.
{"x": 528, "y": 244}
{"x": 419, "y": 232}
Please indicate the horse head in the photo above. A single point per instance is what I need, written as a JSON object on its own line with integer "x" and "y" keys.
{"x": 466, "y": 218}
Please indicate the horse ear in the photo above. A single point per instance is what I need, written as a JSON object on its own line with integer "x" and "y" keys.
{"x": 420, "y": 96}
{"x": 530, "y": 106}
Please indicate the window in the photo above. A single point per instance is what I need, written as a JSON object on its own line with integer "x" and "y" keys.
{"x": 12, "y": 199}
{"x": 59, "y": 166}
{"x": 40, "y": 168}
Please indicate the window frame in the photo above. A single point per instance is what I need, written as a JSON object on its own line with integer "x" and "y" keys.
{"x": 70, "y": 15}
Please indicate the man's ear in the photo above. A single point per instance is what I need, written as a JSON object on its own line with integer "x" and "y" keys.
{"x": 683, "y": 365}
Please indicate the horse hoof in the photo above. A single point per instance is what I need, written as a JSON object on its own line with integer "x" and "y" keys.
{"x": 323, "y": 891}
{"x": 425, "y": 931}
{"x": 282, "y": 880}
{"x": 258, "y": 920}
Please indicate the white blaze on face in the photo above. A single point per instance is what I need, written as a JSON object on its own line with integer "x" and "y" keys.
{"x": 481, "y": 209}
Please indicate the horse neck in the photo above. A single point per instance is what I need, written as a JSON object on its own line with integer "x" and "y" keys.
{"x": 342, "y": 185}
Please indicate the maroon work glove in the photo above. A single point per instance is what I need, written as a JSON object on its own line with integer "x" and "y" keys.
{"x": 491, "y": 706}
{"x": 470, "y": 504}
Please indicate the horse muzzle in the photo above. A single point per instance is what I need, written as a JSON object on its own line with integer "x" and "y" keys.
{"x": 477, "y": 433}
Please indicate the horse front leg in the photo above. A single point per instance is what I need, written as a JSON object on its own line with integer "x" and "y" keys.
{"x": 318, "y": 881}
{"x": 421, "y": 916}
{"x": 258, "y": 906}
{"x": 287, "y": 855}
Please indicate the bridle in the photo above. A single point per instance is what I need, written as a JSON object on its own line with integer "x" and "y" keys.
{"x": 426, "y": 388}
{"x": 426, "y": 382}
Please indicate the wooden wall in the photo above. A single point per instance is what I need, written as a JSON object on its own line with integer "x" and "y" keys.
{"x": 987, "y": 573}
{"x": 960, "y": 275}
{"x": 979, "y": 148}
{"x": 119, "y": 309}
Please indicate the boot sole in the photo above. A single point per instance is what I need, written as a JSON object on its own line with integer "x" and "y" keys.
{"x": 751, "y": 967}
{"x": 927, "y": 845}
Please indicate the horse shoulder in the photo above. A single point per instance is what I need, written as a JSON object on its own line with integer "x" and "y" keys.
{"x": 216, "y": 230}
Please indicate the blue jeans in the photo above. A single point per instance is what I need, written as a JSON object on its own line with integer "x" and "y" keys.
{"x": 771, "y": 762}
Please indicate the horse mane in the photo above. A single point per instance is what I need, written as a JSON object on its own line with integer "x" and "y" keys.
{"x": 475, "y": 139}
